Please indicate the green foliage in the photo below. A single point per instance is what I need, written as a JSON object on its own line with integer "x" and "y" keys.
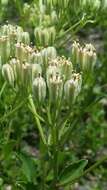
{"x": 41, "y": 148}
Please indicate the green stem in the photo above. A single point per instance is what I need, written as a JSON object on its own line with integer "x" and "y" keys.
{"x": 78, "y": 26}
{"x": 70, "y": 29}
{"x": 43, "y": 164}
{"x": 13, "y": 111}
{"x": 55, "y": 161}
{"x": 54, "y": 133}
{"x": 9, "y": 131}
{"x": 2, "y": 89}
{"x": 37, "y": 119}
{"x": 95, "y": 165}
{"x": 19, "y": 6}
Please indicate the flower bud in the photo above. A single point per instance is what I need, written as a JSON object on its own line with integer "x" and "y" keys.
{"x": 8, "y": 74}
{"x": 26, "y": 75}
{"x": 4, "y": 48}
{"x": 36, "y": 58}
{"x": 36, "y": 70}
{"x": 51, "y": 51}
{"x": 39, "y": 89}
{"x": 13, "y": 64}
{"x": 23, "y": 53}
{"x": 48, "y": 54}
{"x": 55, "y": 86}
{"x": 72, "y": 88}
{"x": 24, "y": 38}
{"x": 19, "y": 72}
{"x": 88, "y": 62}
{"x": 75, "y": 52}
{"x": 27, "y": 51}
{"x": 88, "y": 58}
{"x": 52, "y": 70}
{"x": 45, "y": 36}
{"x": 39, "y": 36}
{"x": 19, "y": 31}
{"x": 66, "y": 67}
{"x": 13, "y": 32}
{"x": 18, "y": 52}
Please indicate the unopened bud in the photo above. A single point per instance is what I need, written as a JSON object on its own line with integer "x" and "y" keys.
{"x": 48, "y": 54}
{"x": 8, "y": 74}
{"x": 38, "y": 36}
{"x": 52, "y": 70}
{"x": 18, "y": 53}
{"x": 13, "y": 64}
{"x": 75, "y": 52}
{"x": 4, "y": 48}
{"x": 23, "y": 53}
{"x": 36, "y": 58}
{"x": 39, "y": 89}
{"x": 55, "y": 86}
{"x": 45, "y": 36}
{"x": 36, "y": 70}
{"x": 24, "y": 38}
{"x": 72, "y": 88}
{"x": 87, "y": 58}
{"x": 66, "y": 67}
{"x": 26, "y": 75}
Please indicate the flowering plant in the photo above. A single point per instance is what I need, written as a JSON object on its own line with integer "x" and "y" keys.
{"x": 53, "y": 89}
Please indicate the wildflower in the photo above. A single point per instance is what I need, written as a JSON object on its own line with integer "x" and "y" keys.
{"x": 55, "y": 87}
{"x": 25, "y": 38}
{"x": 36, "y": 70}
{"x": 8, "y": 74}
{"x": 72, "y": 88}
{"x": 39, "y": 89}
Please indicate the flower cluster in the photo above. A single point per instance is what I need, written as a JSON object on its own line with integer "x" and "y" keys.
{"x": 90, "y": 3}
{"x": 46, "y": 75}
{"x": 84, "y": 56}
{"x": 45, "y": 36}
{"x": 59, "y": 3}
{"x": 9, "y": 35}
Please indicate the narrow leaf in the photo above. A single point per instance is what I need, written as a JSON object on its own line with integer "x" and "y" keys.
{"x": 72, "y": 171}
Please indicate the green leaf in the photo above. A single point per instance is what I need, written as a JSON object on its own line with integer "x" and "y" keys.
{"x": 72, "y": 171}
{"x": 8, "y": 149}
{"x": 28, "y": 167}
